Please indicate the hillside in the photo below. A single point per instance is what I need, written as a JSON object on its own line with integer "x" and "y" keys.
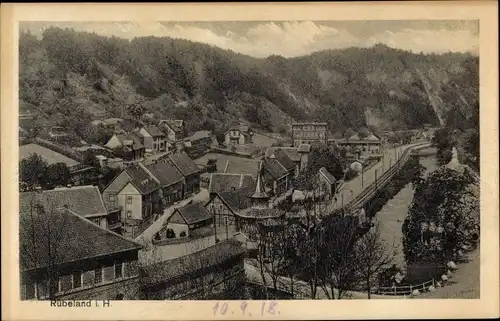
{"x": 73, "y": 77}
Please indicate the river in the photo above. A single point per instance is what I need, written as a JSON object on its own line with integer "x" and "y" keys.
{"x": 393, "y": 214}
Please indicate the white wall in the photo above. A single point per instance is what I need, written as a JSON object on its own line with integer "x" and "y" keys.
{"x": 135, "y": 207}
{"x": 178, "y": 228}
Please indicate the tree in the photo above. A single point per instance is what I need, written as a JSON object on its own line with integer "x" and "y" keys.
{"x": 41, "y": 233}
{"x": 56, "y": 175}
{"x": 321, "y": 156}
{"x": 374, "y": 256}
{"x": 339, "y": 260}
{"x": 443, "y": 217}
{"x": 31, "y": 171}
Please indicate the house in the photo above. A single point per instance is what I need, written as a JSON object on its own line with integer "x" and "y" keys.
{"x": 308, "y": 133}
{"x": 108, "y": 122}
{"x": 174, "y": 129}
{"x": 223, "y": 182}
{"x": 238, "y": 135}
{"x": 367, "y": 147}
{"x": 142, "y": 191}
{"x": 64, "y": 256}
{"x": 299, "y": 155}
{"x": 279, "y": 171}
{"x": 191, "y": 172}
{"x": 190, "y": 221}
{"x": 127, "y": 146}
{"x": 327, "y": 182}
{"x": 209, "y": 274}
{"x": 153, "y": 139}
{"x": 85, "y": 201}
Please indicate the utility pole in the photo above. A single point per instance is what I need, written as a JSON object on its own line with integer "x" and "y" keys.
{"x": 215, "y": 223}
{"x": 362, "y": 176}
{"x": 375, "y": 179}
{"x": 227, "y": 232}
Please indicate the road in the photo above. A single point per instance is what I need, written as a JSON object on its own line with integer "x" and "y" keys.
{"x": 350, "y": 189}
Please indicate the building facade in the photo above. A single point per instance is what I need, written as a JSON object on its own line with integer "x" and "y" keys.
{"x": 308, "y": 133}
{"x": 238, "y": 135}
{"x": 85, "y": 261}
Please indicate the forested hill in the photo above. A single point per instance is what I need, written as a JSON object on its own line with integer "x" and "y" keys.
{"x": 71, "y": 75}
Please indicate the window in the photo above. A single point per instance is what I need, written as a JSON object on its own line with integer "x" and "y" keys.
{"x": 98, "y": 276}
{"x": 77, "y": 279}
{"x": 29, "y": 291}
{"x": 54, "y": 287}
{"x": 129, "y": 214}
{"x": 129, "y": 199}
{"x": 118, "y": 270}
{"x": 111, "y": 197}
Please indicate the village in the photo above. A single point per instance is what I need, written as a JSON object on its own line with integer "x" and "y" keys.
{"x": 182, "y": 213}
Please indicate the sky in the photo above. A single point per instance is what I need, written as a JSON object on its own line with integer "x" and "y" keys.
{"x": 295, "y": 38}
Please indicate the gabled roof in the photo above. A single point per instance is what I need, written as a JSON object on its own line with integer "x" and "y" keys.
{"x": 174, "y": 124}
{"x": 354, "y": 137}
{"x": 292, "y": 152}
{"x": 273, "y": 167}
{"x": 154, "y": 131}
{"x": 142, "y": 180}
{"x": 134, "y": 138}
{"x": 72, "y": 238}
{"x": 166, "y": 173}
{"x": 326, "y": 174}
{"x": 193, "y": 213}
{"x": 184, "y": 163}
{"x": 284, "y": 160}
{"x": 222, "y": 182}
{"x": 242, "y": 166}
{"x": 237, "y": 200}
{"x": 85, "y": 201}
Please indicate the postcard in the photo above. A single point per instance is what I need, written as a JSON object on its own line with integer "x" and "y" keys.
{"x": 250, "y": 161}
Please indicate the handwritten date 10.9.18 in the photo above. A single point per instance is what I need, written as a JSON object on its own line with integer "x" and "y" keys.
{"x": 246, "y": 309}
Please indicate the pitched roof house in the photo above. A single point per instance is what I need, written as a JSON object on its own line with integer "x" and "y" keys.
{"x": 82, "y": 257}
{"x": 85, "y": 201}
{"x": 238, "y": 134}
{"x": 222, "y": 182}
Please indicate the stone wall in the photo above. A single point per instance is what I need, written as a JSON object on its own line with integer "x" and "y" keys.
{"x": 128, "y": 287}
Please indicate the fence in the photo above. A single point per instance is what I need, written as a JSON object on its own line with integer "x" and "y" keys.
{"x": 373, "y": 187}
{"x": 405, "y": 289}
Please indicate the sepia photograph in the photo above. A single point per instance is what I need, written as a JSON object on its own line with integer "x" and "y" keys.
{"x": 248, "y": 160}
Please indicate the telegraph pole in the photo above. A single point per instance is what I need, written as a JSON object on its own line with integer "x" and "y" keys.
{"x": 375, "y": 179}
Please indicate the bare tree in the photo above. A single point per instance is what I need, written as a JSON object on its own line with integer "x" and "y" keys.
{"x": 374, "y": 256}
{"x": 339, "y": 262}
{"x": 42, "y": 230}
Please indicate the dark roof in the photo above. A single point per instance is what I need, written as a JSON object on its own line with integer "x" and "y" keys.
{"x": 73, "y": 238}
{"x": 284, "y": 160}
{"x": 175, "y": 125}
{"x": 133, "y": 137}
{"x": 222, "y": 182}
{"x": 81, "y": 200}
{"x": 184, "y": 163}
{"x": 194, "y": 213}
{"x": 292, "y": 152}
{"x": 273, "y": 167}
{"x": 330, "y": 178}
{"x": 239, "y": 199}
{"x": 142, "y": 180}
{"x": 154, "y": 131}
{"x": 242, "y": 166}
{"x": 166, "y": 173}
{"x": 181, "y": 266}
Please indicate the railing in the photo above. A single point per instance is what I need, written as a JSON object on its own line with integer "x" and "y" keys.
{"x": 404, "y": 290}
{"x": 373, "y": 187}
